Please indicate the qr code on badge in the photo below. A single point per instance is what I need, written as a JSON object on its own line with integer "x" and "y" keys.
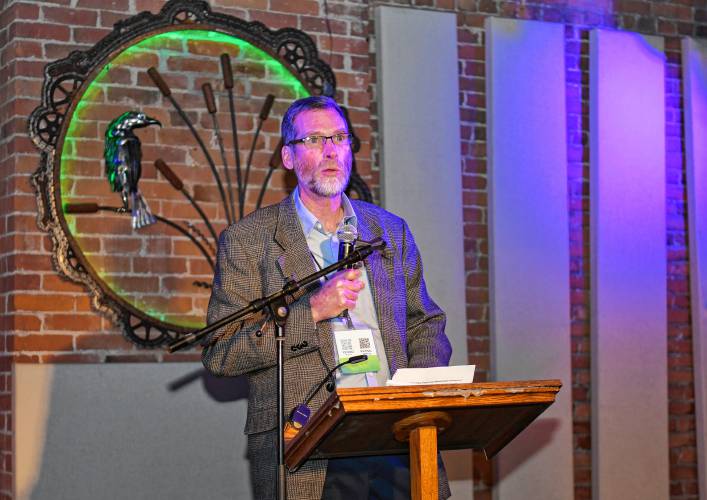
{"x": 346, "y": 347}
{"x": 364, "y": 344}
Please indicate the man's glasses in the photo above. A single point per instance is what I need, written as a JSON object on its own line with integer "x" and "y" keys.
{"x": 318, "y": 141}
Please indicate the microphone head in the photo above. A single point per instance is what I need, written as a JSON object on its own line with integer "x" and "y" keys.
{"x": 347, "y": 233}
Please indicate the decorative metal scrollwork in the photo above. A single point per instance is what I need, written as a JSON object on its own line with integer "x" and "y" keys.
{"x": 87, "y": 248}
{"x": 46, "y": 119}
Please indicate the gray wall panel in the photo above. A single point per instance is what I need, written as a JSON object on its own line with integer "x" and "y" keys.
{"x": 529, "y": 245}
{"x": 695, "y": 92}
{"x": 138, "y": 431}
{"x": 629, "y": 318}
{"x": 418, "y": 99}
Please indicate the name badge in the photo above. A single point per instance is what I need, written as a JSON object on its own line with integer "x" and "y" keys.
{"x": 355, "y": 343}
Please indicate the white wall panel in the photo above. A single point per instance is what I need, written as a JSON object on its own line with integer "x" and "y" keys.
{"x": 529, "y": 250}
{"x": 628, "y": 248}
{"x": 138, "y": 431}
{"x": 418, "y": 99}
{"x": 695, "y": 99}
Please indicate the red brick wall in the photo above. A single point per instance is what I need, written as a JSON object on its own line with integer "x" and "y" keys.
{"x": 681, "y": 397}
{"x": 43, "y": 302}
{"x": 46, "y": 319}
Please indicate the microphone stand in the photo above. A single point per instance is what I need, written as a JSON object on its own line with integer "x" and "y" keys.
{"x": 277, "y": 307}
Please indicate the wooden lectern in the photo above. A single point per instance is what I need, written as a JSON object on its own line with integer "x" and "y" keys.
{"x": 383, "y": 420}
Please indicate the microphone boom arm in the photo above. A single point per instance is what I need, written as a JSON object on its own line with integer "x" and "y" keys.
{"x": 290, "y": 288}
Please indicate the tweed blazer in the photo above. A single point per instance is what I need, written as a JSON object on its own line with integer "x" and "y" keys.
{"x": 255, "y": 257}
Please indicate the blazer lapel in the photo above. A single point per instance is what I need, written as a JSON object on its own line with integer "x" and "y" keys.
{"x": 296, "y": 260}
{"x": 296, "y": 263}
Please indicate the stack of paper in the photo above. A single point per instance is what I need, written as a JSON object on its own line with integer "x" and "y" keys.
{"x": 462, "y": 374}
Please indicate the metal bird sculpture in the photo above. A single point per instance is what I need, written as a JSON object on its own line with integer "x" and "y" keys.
{"x": 123, "y": 155}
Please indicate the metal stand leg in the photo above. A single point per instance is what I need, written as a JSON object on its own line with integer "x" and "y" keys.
{"x": 279, "y": 314}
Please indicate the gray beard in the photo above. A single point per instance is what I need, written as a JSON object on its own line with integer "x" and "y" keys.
{"x": 329, "y": 187}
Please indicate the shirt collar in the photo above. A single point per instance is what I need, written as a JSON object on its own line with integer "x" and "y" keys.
{"x": 310, "y": 222}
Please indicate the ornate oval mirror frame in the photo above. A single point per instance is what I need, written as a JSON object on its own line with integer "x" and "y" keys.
{"x": 154, "y": 282}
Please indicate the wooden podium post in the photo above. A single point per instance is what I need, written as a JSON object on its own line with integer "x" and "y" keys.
{"x": 421, "y": 432}
{"x": 421, "y": 420}
{"x": 424, "y": 482}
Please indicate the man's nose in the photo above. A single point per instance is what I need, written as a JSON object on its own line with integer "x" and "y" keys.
{"x": 329, "y": 147}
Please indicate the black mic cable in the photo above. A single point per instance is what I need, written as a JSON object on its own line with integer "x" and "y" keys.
{"x": 331, "y": 384}
{"x": 301, "y": 413}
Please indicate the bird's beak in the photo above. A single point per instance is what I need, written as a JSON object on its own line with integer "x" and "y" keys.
{"x": 152, "y": 121}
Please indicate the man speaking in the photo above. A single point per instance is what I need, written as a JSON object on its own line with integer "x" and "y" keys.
{"x": 381, "y": 309}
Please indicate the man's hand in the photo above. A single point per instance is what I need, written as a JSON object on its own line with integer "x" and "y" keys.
{"x": 338, "y": 293}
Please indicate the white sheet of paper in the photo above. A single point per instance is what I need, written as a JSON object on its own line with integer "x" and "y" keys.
{"x": 462, "y": 374}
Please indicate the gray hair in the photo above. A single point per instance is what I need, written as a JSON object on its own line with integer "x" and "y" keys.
{"x": 288, "y": 130}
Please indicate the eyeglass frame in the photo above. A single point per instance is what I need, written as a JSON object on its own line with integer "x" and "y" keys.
{"x": 324, "y": 138}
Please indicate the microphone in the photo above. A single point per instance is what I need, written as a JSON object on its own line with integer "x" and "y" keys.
{"x": 300, "y": 414}
{"x": 347, "y": 235}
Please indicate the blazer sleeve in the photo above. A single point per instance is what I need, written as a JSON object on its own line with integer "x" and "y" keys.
{"x": 427, "y": 344}
{"x": 239, "y": 279}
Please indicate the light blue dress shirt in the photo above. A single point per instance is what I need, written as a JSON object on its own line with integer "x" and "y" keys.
{"x": 325, "y": 250}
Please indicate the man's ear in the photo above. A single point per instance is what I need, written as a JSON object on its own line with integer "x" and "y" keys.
{"x": 286, "y": 154}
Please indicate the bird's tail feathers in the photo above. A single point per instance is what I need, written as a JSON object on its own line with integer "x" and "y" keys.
{"x": 142, "y": 216}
